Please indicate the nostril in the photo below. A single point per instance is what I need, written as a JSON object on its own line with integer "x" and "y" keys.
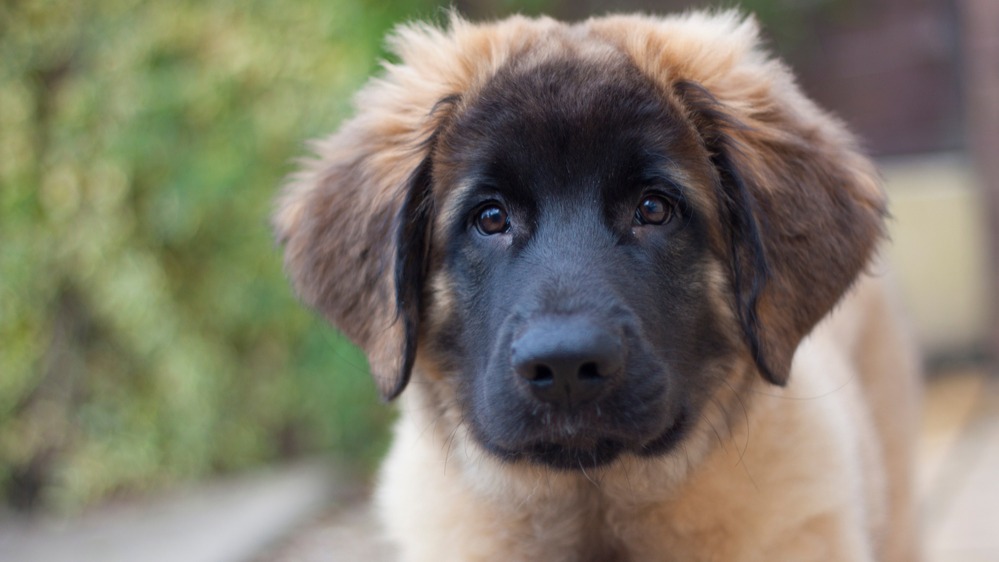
{"x": 543, "y": 374}
{"x": 568, "y": 361}
{"x": 589, "y": 371}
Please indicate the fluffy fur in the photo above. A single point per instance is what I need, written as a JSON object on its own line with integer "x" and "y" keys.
{"x": 751, "y": 441}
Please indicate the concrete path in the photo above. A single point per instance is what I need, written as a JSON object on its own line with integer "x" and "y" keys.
{"x": 960, "y": 467}
{"x": 229, "y": 521}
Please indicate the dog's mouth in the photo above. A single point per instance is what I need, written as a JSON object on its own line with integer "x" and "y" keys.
{"x": 594, "y": 453}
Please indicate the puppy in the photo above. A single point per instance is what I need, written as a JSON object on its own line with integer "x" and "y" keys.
{"x": 604, "y": 258}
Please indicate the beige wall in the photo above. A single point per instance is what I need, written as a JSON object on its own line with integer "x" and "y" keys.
{"x": 938, "y": 249}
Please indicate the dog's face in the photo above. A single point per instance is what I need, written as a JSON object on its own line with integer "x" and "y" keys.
{"x": 576, "y": 237}
{"x": 581, "y": 321}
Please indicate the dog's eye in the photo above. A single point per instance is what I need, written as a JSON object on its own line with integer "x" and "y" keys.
{"x": 492, "y": 219}
{"x": 653, "y": 209}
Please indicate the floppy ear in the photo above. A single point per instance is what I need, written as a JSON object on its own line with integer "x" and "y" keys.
{"x": 802, "y": 209}
{"x": 354, "y": 225}
{"x": 355, "y": 221}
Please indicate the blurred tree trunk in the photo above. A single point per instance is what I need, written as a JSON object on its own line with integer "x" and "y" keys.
{"x": 980, "y": 19}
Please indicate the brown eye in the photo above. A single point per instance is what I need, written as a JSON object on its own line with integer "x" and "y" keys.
{"x": 653, "y": 210}
{"x": 492, "y": 219}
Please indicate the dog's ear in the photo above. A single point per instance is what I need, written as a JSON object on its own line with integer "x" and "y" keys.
{"x": 355, "y": 221}
{"x": 355, "y": 224}
{"x": 802, "y": 211}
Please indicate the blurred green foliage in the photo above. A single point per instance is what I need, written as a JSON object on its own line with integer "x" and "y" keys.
{"x": 147, "y": 332}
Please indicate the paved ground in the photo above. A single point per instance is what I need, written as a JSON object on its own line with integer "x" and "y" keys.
{"x": 960, "y": 468}
{"x": 228, "y": 521}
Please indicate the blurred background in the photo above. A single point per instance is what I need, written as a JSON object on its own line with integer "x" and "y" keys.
{"x": 149, "y": 342}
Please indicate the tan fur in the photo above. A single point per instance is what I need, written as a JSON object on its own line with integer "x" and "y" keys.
{"x": 819, "y": 469}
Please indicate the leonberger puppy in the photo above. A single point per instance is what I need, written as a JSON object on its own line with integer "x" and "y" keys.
{"x": 624, "y": 270}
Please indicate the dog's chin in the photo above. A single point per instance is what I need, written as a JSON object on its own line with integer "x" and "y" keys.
{"x": 594, "y": 453}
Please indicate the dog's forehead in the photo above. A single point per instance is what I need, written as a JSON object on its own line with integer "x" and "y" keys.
{"x": 567, "y": 121}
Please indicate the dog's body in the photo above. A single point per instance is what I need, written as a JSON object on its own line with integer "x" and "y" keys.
{"x": 818, "y": 470}
{"x": 595, "y": 250}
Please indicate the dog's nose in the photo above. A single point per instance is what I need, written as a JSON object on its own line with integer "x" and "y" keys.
{"x": 567, "y": 361}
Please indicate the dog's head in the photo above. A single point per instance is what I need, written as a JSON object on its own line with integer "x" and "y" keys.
{"x": 576, "y": 233}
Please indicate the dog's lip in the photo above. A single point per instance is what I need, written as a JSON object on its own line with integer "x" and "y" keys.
{"x": 667, "y": 439}
{"x": 593, "y": 453}
{"x": 565, "y": 457}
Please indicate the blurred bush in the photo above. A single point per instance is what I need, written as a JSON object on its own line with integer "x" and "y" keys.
{"x": 147, "y": 333}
